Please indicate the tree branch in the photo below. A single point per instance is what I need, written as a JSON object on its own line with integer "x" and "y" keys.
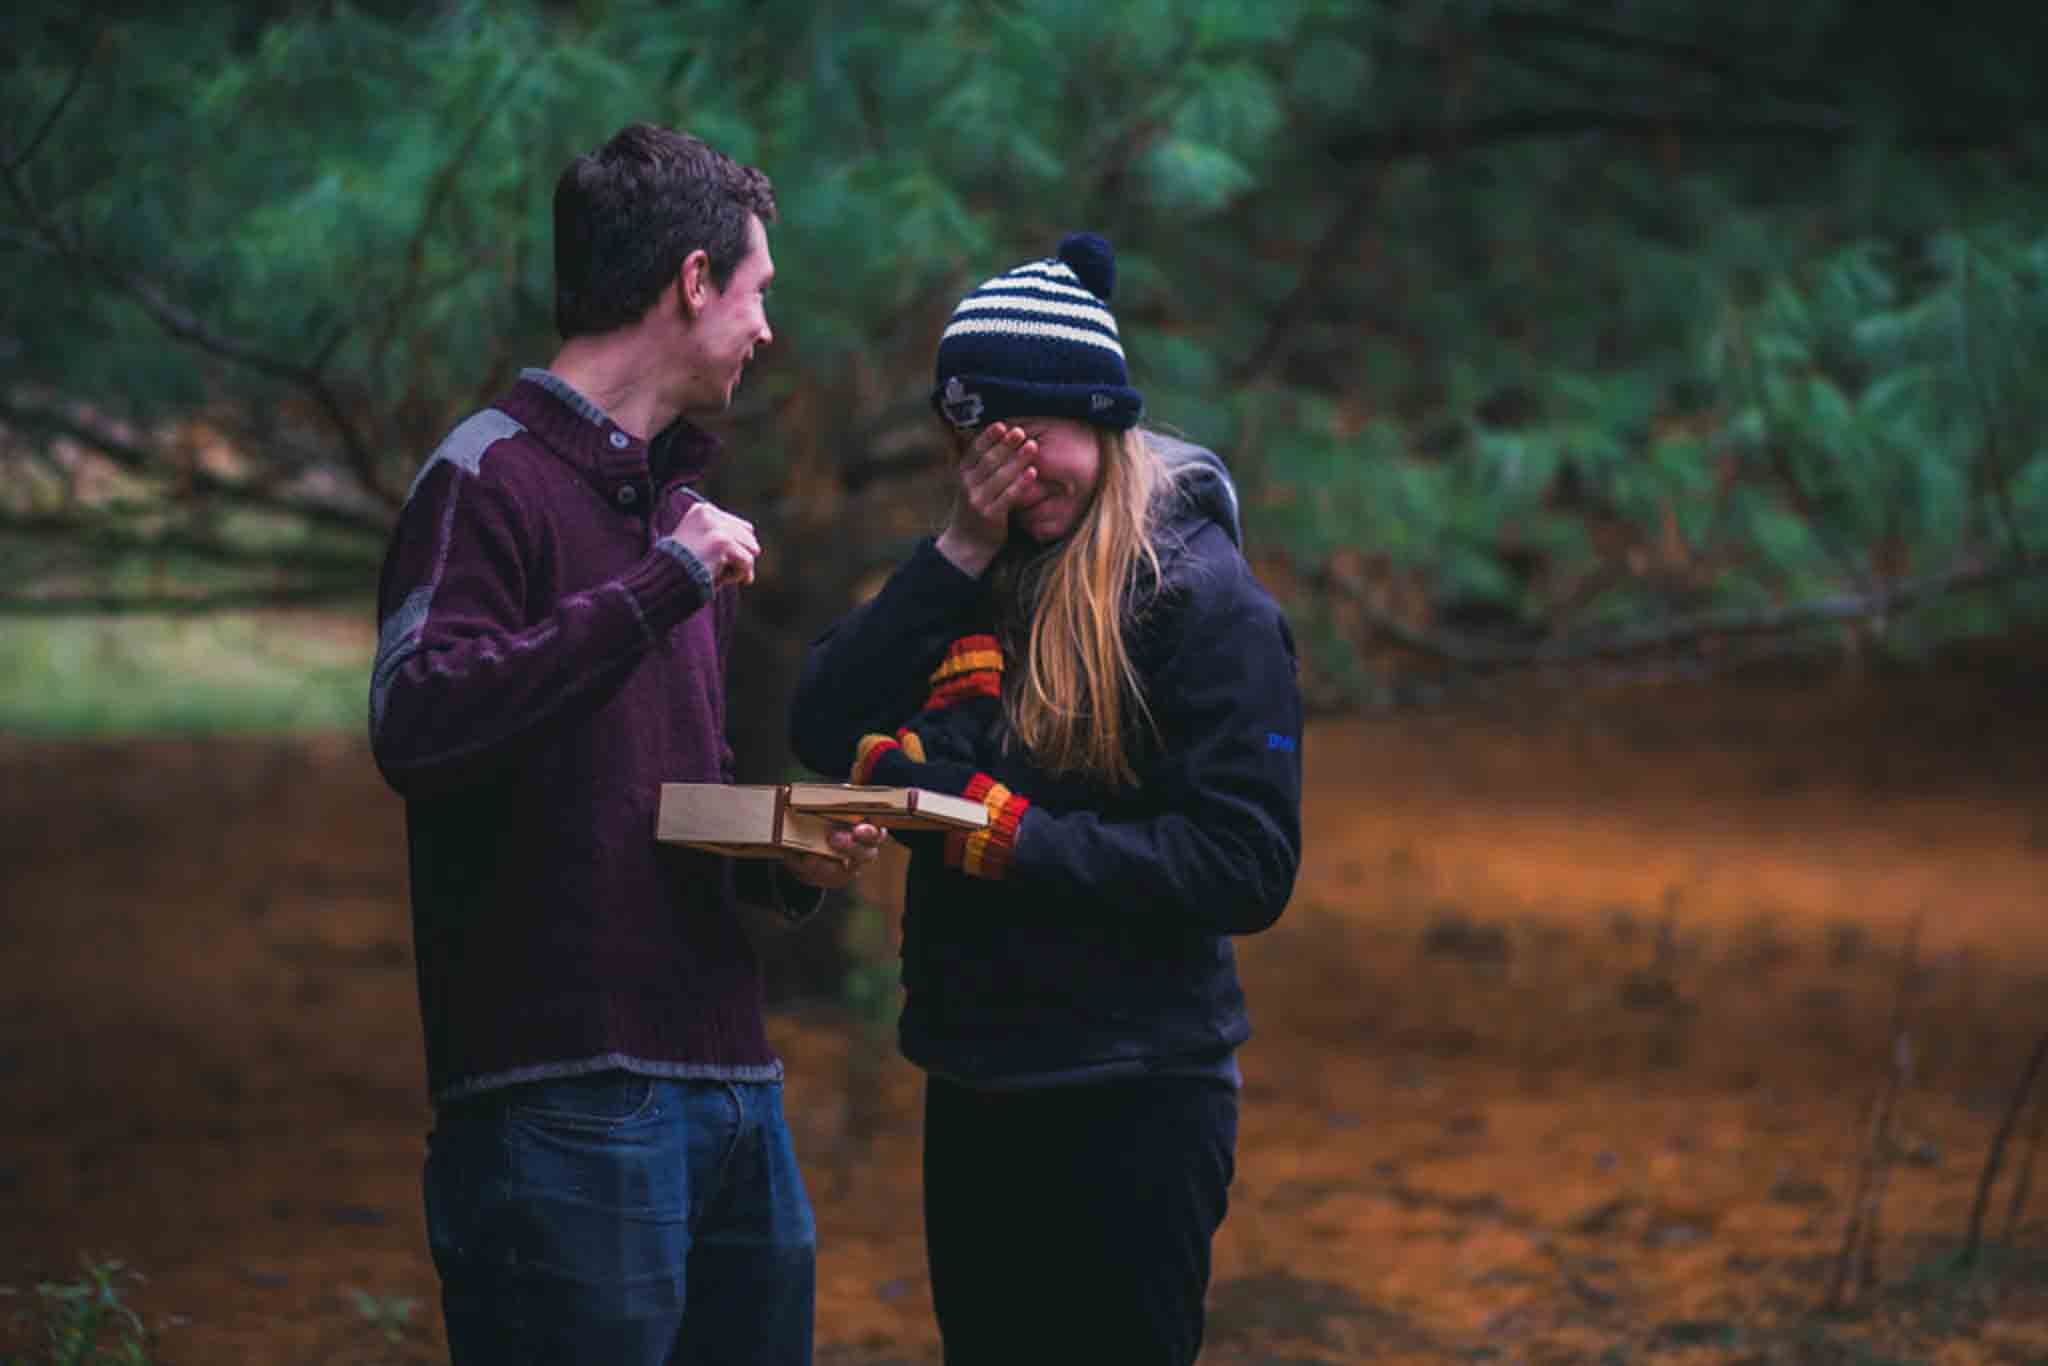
{"x": 199, "y": 484}
{"x": 124, "y": 453}
{"x": 1466, "y": 652}
{"x": 1329, "y": 249}
{"x": 1385, "y": 144}
{"x": 1679, "y": 55}
{"x": 17, "y": 160}
{"x": 439, "y": 191}
{"x": 184, "y": 326}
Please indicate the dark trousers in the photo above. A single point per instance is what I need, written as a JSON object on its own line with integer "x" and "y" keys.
{"x": 1071, "y": 1225}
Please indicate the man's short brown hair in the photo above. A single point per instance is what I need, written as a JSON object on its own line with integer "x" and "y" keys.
{"x": 628, "y": 214}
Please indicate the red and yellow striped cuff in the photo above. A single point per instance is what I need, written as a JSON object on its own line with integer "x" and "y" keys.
{"x": 973, "y": 667}
{"x": 874, "y": 745}
{"x": 869, "y": 753}
{"x": 985, "y": 853}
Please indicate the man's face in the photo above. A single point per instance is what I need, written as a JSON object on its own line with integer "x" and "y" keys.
{"x": 729, "y": 324}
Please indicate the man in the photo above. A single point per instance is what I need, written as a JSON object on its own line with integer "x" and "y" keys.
{"x": 609, "y": 1178}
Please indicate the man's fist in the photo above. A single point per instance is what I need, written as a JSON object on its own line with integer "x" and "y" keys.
{"x": 722, "y": 543}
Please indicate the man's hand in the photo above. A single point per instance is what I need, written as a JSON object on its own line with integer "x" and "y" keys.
{"x": 995, "y": 471}
{"x": 722, "y": 543}
{"x": 856, "y": 847}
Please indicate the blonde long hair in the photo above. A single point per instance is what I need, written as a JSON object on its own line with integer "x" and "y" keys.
{"x": 1072, "y": 696}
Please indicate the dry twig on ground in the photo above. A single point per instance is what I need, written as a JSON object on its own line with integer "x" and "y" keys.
{"x": 1973, "y": 1240}
{"x": 1855, "y": 1265}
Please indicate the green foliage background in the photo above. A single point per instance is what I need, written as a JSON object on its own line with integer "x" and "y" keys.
{"x": 1534, "y": 331}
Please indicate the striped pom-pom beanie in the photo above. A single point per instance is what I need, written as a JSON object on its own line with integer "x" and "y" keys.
{"x": 1039, "y": 341}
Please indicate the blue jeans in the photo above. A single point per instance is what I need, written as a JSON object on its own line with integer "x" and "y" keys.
{"x": 623, "y": 1220}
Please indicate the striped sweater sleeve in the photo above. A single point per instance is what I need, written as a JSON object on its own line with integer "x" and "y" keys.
{"x": 462, "y": 676}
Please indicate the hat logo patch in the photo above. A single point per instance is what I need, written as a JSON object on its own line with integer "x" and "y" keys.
{"x": 961, "y": 408}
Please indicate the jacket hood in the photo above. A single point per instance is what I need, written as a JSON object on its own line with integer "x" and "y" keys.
{"x": 1207, "y": 493}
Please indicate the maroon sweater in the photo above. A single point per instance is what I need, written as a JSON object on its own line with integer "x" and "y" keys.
{"x": 545, "y": 661}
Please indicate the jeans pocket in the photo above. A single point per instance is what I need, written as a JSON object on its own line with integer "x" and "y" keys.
{"x": 597, "y": 1103}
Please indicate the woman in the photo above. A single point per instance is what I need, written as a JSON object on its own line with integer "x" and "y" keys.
{"x": 1083, "y": 649}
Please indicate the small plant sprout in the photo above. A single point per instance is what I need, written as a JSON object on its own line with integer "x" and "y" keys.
{"x": 77, "y": 1314}
{"x": 390, "y": 1315}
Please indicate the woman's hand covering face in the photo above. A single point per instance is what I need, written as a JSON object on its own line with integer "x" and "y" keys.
{"x": 994, "y": 472}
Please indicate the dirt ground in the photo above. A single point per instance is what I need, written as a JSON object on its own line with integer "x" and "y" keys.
{"x": 1568, "y": 1047}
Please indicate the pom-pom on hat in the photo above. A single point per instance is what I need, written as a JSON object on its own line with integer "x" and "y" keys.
{"x": 1039, "y": 341}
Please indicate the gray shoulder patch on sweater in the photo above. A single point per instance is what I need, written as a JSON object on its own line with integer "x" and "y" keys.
{"x": 1205, "y": 483}
{"x": 397, "y": 640}
{"x": 465, "y": 446}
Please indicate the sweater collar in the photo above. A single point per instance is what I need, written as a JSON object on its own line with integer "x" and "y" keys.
{"x": 582, "y": 433}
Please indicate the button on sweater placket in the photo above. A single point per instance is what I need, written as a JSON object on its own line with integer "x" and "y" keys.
{"x": 625, "y": 473}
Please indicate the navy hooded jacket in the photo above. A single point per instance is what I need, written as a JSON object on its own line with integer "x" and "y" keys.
{"x": 1105, "y": 950}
